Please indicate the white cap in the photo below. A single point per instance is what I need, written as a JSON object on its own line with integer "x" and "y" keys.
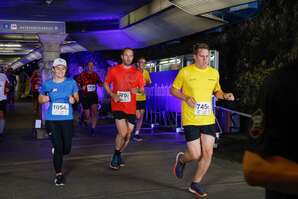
{"x": 59, "y": 61}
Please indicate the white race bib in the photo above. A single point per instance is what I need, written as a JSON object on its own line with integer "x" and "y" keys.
{"x": 60, "y": 109}
{"x": 203, "y": 108}
{"x": 124, "y": 96}
{"x": 91, "y": 87}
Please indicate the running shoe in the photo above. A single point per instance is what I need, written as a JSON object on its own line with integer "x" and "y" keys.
{"x": 137, "y": 138}
{"x": 115, "y": 162}
{"x": 121, "y": 161}
{"x": 197, "y": 189}
{"x": 92, "y": 132}
{"x": 178, "y": 167}
{"x": 59, "y": 180}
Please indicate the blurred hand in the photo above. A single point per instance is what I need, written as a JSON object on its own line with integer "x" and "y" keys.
{"x": 71, "y": 99}
{"x": 135, "y": 90}
{"x": 190, "y": 101}
{"x": 115, "y": 97}
{"x": 46, "y": 98}
{"x": 229, "y": 96}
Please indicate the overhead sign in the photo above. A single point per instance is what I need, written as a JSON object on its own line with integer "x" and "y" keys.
{"x": 19, "y": 26}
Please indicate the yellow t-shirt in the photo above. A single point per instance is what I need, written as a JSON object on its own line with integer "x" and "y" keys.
{"x": 142, "y": 97}
{"x": 199, "y": 84}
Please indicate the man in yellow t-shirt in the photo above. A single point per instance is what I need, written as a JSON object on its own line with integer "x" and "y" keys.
{"x": 141, "y": 100}
{"x": 195, "y": 85}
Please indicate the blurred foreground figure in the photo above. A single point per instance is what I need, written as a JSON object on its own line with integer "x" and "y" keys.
{"x": 271, "y": 158}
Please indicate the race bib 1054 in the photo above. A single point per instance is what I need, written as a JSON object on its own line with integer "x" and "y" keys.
{"x": 60, "y": 109}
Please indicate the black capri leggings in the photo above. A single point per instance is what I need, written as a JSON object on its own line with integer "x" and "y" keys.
{"x": 61, "y": 133}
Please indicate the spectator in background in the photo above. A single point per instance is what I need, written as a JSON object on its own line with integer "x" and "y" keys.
{"x": 12, "y": 84}
{"x": 4, "y": 90}
{"x": 78, "y": 107}
{"x": 35, "y": 82}
{"x": 22, "y": 84}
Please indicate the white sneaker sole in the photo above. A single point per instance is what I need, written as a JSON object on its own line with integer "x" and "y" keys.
{"x": 196, "y": 193}
{"x": 176, "y": 162}
{"x": 114, "y": 168}
{"x": 58, "y": 185}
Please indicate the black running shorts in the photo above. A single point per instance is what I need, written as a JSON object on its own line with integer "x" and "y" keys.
{"x": 131, "y": 118}
{"x": 141, "y": 105}
{"x": 193, "y": 132}
{"x": 89, "y": 99}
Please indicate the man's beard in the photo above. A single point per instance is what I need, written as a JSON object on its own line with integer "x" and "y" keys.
{"x": 127, "y": 64}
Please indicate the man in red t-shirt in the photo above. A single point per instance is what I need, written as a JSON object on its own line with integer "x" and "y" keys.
{"x": 126, "y": 81}
{"x": 88, "y": 81}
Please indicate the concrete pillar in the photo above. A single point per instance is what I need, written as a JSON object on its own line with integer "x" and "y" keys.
{"x": 50, "y": 50}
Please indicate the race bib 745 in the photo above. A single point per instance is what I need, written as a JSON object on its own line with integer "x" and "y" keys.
{"x": 203, "y": 108}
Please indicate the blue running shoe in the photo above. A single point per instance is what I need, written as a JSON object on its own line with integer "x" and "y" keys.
{"x": 137, "y": 138}
{"x": 115, "y": 163}
{"x": 121, "y": 161}
{"x": 178, "y": 167}
{"x": 197, "y": 189}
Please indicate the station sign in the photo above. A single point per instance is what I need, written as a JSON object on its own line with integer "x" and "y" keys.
{"x": 33, "y": 27}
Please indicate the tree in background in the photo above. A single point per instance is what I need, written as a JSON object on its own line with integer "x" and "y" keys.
{"x": 256, "y": 47}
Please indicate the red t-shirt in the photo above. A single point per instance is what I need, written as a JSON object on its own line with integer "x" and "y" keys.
{"x": 123, "y": 80}
{"x": 35, "y": 82}
{"x": 89, "y": 80}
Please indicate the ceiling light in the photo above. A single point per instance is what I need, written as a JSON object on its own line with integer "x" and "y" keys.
{"x": 49, "y": 1}
{"x": 10, "y": 45}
